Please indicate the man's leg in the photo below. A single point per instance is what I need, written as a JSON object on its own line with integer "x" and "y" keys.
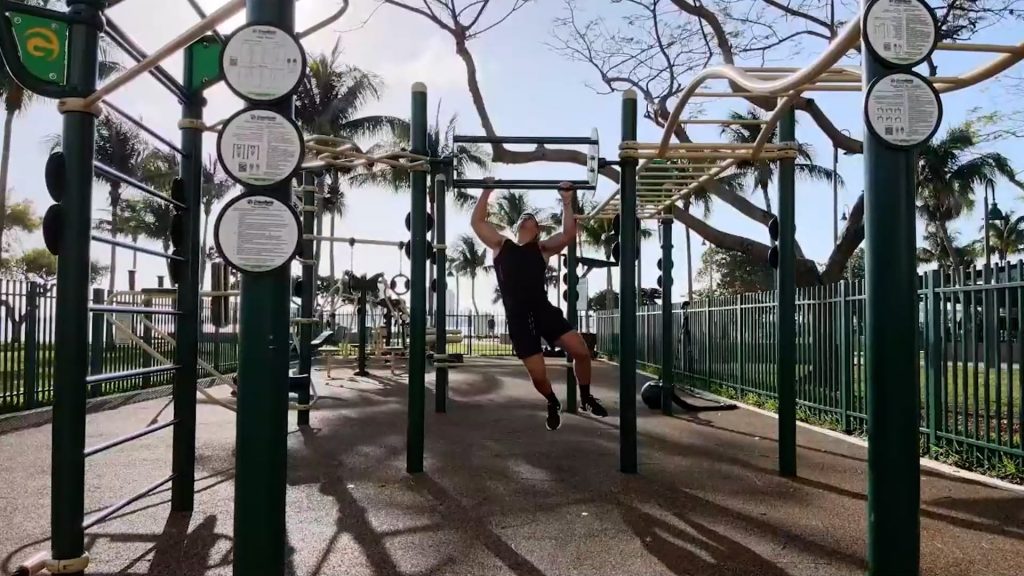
{"x": 574, "y": 345}
{"x": 539, "y": 376}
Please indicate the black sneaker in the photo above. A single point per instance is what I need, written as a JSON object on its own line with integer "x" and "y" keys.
{"x": 591, "y": 404}
{"x": 554, "y": 420}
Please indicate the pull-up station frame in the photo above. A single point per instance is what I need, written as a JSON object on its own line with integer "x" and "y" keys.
{"x": 594, "y": 162}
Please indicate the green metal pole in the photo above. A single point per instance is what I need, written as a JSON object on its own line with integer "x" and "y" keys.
{"x": 627, "y": 293}
{"x": 71, "y": 350}
{"x": 571, "y": 316}
{"x": 308, "y": 288}
{"x": 186, "y": 349}
{"x": 418, "y": 295}
{"x": 786, "y": 307}
{"x": 668, "y": 337}
{"x": 441, "y": 309}
{"x": 261, "y": 454}
{"x": 894, "y": 491}
{"x": 361, "y": 308}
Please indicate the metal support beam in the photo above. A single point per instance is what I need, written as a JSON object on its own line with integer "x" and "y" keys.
{"x": 71, "y": 356}
{"x": 894, "y": 481}
{"x": 441, "y": 305}
{"x": 571, "y": 263}
{"x": 627, "y": 294}
{"x": 538, "y": 140}
{"x": 786, "y": 306}
{"x": 418, "y": 296}
{"x": 261, "y": 455}
{"x": 308, "y": 289}
{"x": 469, "y": 184}
{"x": 668, "y": 333}
{"x": 186, "y": 348}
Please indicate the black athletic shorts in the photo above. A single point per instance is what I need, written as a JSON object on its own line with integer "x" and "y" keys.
{"x": 525, "y": 329}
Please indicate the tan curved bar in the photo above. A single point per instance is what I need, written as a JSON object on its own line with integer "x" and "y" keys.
{"x": 223, "y": 14}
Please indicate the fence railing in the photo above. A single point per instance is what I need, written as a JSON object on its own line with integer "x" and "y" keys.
{"x": 970, "y": 380}
{"x": 27, "y": 324}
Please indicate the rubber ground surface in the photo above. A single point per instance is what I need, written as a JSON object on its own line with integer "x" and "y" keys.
{"x": 503, "y": 496}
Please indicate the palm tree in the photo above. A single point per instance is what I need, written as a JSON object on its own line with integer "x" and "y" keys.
{"x": 1005, "y": 236}
{"x": 949, "y": 172}
{"x": 328, "y": 102}
{"x": 16, "y": 99}
{"x": 216, "y": 186}
{"x": 936, "y": 249}
{"x": 131, "y": 220}
{"x": 469, "y": 260}
{"x": 762, "y": 172}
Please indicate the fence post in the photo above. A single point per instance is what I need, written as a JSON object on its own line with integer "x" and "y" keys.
{"x": 30, "y": 344}
{"x": 96, "y": 345}
{"x": 934, "y": 354}
{"x": 740, "y": 371}
{"x": 845, "y": 356}
{"x": 469, "y": 338}
{"x": 147, "y": 338}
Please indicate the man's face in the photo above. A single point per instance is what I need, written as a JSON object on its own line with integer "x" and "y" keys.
{"x": 528, "y": 229}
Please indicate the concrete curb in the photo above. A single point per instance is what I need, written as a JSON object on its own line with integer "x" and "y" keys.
{"x": 925, "y": 462}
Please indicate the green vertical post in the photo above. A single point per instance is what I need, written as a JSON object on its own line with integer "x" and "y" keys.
{"x": 418, "y": 294}
{"x": 786, "y": 306}
{"x": 308, "y": 288}
{"x": 894, "y": 491}
{"x": 362, "y": 303}
{"x": 98, "y": 334}
{"x": 441, "y": 294}
{"x": 934, "y": 357}
{"x": 261, "y": 455}
{"x": 845, "y": 355}
{"x": 668, "y": 338}
{"x": 186, "y": 349}
{"x": 31, "y": 346}
{"x": 627, "y": 297}
{"x": 71, "y": 351}
{"x": 570, "y": 315}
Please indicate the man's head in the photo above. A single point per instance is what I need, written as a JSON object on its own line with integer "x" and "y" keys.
{"x": 527, "y": 229}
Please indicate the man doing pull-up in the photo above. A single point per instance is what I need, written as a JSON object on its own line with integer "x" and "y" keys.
{"x": 520, "y": 266}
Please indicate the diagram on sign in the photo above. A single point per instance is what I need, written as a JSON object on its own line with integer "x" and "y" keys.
{"x": 263, "y": 63}
{"x": 260, "y": 147}
{"x": 903, "y": 109}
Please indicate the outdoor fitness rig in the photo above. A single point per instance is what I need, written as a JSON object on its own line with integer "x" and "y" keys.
{"x": 655, "y": 176}
{"x": 55, "y": 54}
{"x": 594, "y": 162}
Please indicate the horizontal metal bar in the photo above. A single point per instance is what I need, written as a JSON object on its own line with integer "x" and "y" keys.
{"x": 333, "y": 239}
{"x": 114, "y": 174}
{"x": 522, "y": 184}
{"x": 128, "y": 438}
{"x": 112, "y": 376}
{"x": 565, "y": 140}
{"x": 136, "y": 53}
{"x": 136, "y": 248}
{"x": 110, "y": 511}
{"x": 142, "y": 126}
{"x": 98, "y": 309}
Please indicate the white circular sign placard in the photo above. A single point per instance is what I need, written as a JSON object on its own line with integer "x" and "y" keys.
{"x": 263, "y": 63}
{"x": 902, "y": 33}
{"x": 259, "y": 147}
{"x": 257, "y": 233}
{"x": 903, "y": 109}
{"x": 593, "y": 152}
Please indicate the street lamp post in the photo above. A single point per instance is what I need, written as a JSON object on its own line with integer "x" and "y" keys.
{"x": 835, "y": 189}
{"x": 993, "y": 214}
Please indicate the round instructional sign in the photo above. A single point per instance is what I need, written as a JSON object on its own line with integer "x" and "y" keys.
{"x": 262, "y": 63}
{"x": 259, "y": 147}
{"x": 593, "y": 152}
{"x": 901, "y": 33}
{"x": 903, "y": 109}
{"x": 257, "y": 233}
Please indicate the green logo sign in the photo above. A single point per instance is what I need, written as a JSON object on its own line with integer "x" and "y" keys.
{"x": 42, "y": 44}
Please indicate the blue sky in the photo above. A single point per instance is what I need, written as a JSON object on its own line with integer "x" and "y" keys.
{"x": 529, "y": 90}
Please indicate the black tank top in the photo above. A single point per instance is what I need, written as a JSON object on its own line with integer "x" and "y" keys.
{"x": 520, "y": 270}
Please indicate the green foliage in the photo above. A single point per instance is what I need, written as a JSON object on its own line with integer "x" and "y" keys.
{"x": 21, "y": 219}
{"x": 733, "y": 273}
{"x": 855, "y": 267}
{"x": 607, "y": 299}
{"x": 38, "y": 265}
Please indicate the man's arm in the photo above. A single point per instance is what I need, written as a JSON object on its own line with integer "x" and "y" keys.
{"x": 559, "y": 241}
{"x": 484, "y": 230}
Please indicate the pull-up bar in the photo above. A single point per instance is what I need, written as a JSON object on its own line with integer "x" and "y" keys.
{"x": 521, "y": 184}
{"x": 123, "y": 41}
{"x": 353, "y": 241}
{"x": 539, "y": 140}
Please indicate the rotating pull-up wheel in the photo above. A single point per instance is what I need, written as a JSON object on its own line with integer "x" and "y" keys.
{"x": 431, "y": 253}
{"x": 408, "y": 222}
{"x": 616, "y": 252}
{"x": 617, "y": 224}
{"x": 400, "y": 284}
